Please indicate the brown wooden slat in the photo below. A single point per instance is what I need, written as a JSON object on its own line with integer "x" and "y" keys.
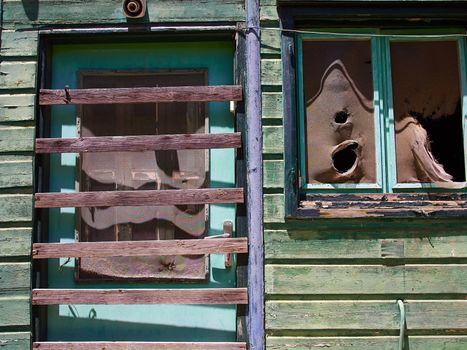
{"x": 138, "y": 143}
{"x": 139, "y": 198}
{"x": 138, "y": 346}
{"x": 140, "y": 248}
{"x": 139, "y": 296}
{"x": 141, "y": 95}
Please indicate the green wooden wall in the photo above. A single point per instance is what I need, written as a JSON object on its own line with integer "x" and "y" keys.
{"x": 326, "y": 282}
{"x": 21, "y": 23}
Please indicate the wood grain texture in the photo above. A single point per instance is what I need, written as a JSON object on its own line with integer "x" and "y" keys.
{"x": 272, "y": 105}
{"x": 140, "y": 296}
{"x": 17, "y": 75}
{"x": 274, "y": 208}
{"x": 15, "y": 207}
{"x": 140, "y": 248}
{"x": 271, "y": 72}
{"x": 15, "y": 242}
{"x": 17, "y": 107}
{"x": 400, "y": 280}
{"x": 15, "y": 311}
{"x": 15, "y": 174}
{"x": 15, "y": 340}
{"x": 17, "y": 138}
{"x": 15, "y": 277}
{"x": 141, "y": 95}
{"x": 328, "y": 245}
{"x": 138, "y": 346}
{"x": 365, "y": 315}
{"x": 139, "y": 198}
{"x": 19, "y": 43}
{"x": 271, "y": 41}
{"x": 273, "y": 139}
{"x": 138, "y": 143}
{"x": 273, "y": 173}
{"x": 366, "y": 343}
{"x": 55, "y": 12}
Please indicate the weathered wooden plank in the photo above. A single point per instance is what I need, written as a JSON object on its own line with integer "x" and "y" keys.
{"x": 16, "y": 107}
{"x": 422, "y": 243}
{"x": 15, "y": 311}
{"x": 365, "y": 315}
{"x": 272, "y": 105}
{"x": 273, "y": 139}
{"x": 269, "y": 10}
{"x": 138, "y": 346}
{"x": 17, "y": 75}
{"x": 271, "y": 41}
{"x": 16, "y": 138}
{"x": 139, "y": 198}
{"x": 273, "y": 173}
{"x": 19, "y": 43}
{"x": 366, "y": 343}
{"x": 15, "y": 207}
{"x": 141, "y": 95}
{"x": 55, "y": 12}
{"x": 274, "y": 208}
{"x": 15, "y": 340}
{"x": 139, "y": 296}
{"x": 140, "y": 248}
{"x": 138, "y": 143}
{"x": 271, "y": 71}
{"x": 15, "y": 174}
{"x": 420, "y": 198}
{"x": 15, "y": 276}
{"x": 365, "y": 279}
{"x": 15, "y": 241}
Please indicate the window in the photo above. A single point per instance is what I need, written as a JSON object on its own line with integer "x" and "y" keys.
{"x": 150, "y": 170}
{"x": 380, "y": 110}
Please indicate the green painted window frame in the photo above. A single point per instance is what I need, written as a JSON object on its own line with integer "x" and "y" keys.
{"x": 383, "y": 105}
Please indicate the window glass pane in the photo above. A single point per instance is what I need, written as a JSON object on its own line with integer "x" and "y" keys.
{"x": 427, "y": 111}
{"x": 338, "y": 103}
{"x": 152, "y": 170}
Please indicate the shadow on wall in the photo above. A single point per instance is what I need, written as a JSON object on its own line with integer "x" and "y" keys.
{"x": 31, "y": 8}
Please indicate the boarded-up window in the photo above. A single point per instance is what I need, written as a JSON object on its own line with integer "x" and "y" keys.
{"x": 427, "y": 111}
{"x": 151, "y": 170}
{"x": 338, "y": 103}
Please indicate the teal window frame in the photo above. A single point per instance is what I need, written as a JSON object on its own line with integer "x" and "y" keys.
{"x": 386, "y": 172}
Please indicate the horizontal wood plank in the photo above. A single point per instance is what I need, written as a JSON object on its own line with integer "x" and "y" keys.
{"x": 327, "y": 244}
{"x": 15, "y": 276}
{"x": 15, "y": 207}
{"x": 140, "y": 248}
{"x": 138, "y": 143}
{"x": 365, "y": 315}
{"x": 16, "y": 174}
{"x": 366, "y": 343}
{"x": 14, "y": 310}
{"x": 139, "y": 296}
{"x": 139, "y": 198}
{"x": 15, "y": 340}
{"x": 15, "y": 241}
{"x": 138, "y": 346}
{"x": 141, "y": 95}
{"x": 365, "y": 279}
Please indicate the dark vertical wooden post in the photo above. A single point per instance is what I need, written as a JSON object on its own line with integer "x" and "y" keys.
{"x": 254, "y": 173}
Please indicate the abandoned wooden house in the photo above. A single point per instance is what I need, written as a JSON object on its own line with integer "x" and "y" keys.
{"x": 233, "y": 174}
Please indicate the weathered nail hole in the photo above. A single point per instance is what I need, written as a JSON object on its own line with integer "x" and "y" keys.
{"x": 341, "y": 117}
{"x": 345, "y": 159}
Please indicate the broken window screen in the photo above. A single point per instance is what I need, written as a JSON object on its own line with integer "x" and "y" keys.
{"x": 427, "y": 111}
{"x": 338, "y": 102}
{"x": 154, "y": 170}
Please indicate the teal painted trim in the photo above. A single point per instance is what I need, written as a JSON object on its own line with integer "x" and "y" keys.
{"x": 379, "y": 118}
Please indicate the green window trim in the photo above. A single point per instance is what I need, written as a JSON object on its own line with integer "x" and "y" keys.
{"x": 386, "y": 177}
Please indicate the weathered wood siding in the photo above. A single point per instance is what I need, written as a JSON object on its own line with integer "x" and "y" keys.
{"x": 334, "y": 283}
{"x": 18, "y": 72}
{"x": 18, "y": 84}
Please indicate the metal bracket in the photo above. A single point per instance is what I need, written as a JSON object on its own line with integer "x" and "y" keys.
{"x": 228, "y": 229}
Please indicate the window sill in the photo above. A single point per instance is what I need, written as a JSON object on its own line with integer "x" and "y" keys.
{"x": 405, "y": 205}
